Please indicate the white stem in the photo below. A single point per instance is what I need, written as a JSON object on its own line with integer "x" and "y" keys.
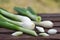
{"x": 17, "y": 33}
{"x": 43, "y": 34}
{"x": 15, "y": 17}
{"x": 46, "y": 24}
{"x": 22, "y": 18}
{"x": 28, "y": 25}
{"x": 40, "y": 29}
{"x": 25, "y": 24}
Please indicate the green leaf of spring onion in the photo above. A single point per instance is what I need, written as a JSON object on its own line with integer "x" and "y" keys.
{"x": 11, "y": 26}
{"x": 15, "y": 17}
{"x": 27, "y": 13}
{"x": 31, "y": 10}
{"x": 17, "y": 33}
{"x": 29, "y": 25}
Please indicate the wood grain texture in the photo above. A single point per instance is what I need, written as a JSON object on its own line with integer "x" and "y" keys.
{"x": 52, "y": 17}
{"x": 5, "y": 34}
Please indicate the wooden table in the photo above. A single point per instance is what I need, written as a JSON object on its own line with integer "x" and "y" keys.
{"x": 5, "y": 34}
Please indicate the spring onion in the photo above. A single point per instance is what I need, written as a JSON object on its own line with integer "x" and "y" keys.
{"x": 11, "y": 26}
{"x": 31, "y": 10}
{"x": 17, "y": 33}
{"x": 26, "y": 24}
{"x": 15, "y": 17}
{"x": 43, "y": 34}
{"x": 52, "y": 31}
{"x": 27, "y": 13}
{"x": 40, "y": 29}
{"x": 46, "y": 24}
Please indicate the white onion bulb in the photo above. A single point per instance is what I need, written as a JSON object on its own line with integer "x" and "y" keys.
{"x": 43, "y": 34}
{"x": 46, "y": 24}
{"x": 17, "y": 33}
{"x": 23, "y": 18}
{"x": 52, "y": 31}
{"x": 28, "y": 25}
{"x": 40, "y": 29}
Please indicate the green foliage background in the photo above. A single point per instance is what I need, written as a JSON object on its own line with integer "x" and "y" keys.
{"x": 40, "y": 6}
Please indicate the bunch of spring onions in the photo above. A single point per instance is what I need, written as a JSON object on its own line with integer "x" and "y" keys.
{"x": 24, "y": 22}
{"x": 31, "y": 25}
{"x": 16, "y": 22}
{"x": 11, "y": 26}
{"x": 29, "y": 13}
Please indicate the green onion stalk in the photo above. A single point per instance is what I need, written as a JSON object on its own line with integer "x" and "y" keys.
{"x": 5, "y": 24}
{"x": 13, "y": 16}
{"x": 29, "y": 13}
{"x": 29, "y": 25}
{"x": 31, "y": 10}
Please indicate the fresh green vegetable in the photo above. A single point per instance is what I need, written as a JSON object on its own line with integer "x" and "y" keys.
{"x": 17, "y": 33}
{"x": 7, "y": 14}
{"x": 31, "y": 10}
{"x": 27, "y": 13}
{"x": 3, "y": 9}
{"x": 40, "y": 29}
{"x": 43, "y": 34}
{"x": 52, "y": 31}
{"x": 27, "y": 24}
{"x": 15, "y": 17}
{"x": 11, "y": 26}
{"x": 46, "y": 24}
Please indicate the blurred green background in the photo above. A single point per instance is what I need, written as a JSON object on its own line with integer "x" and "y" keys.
{"x": 39, "y": 6}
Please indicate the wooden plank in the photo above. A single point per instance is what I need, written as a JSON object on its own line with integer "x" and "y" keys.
{"x": 56, "y": 24}
{"x": 25, "y": 37}
{"x": 5, "y": 31}
{"x": 5, "y": 34}
{"x": 56, "y": 36}
{"x": 49, "y": 15}
{"x": 52, "y": 17}
{"x": 57, "y": 28}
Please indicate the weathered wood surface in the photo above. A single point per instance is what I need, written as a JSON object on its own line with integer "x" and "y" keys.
{"x": 5, "y": 34}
